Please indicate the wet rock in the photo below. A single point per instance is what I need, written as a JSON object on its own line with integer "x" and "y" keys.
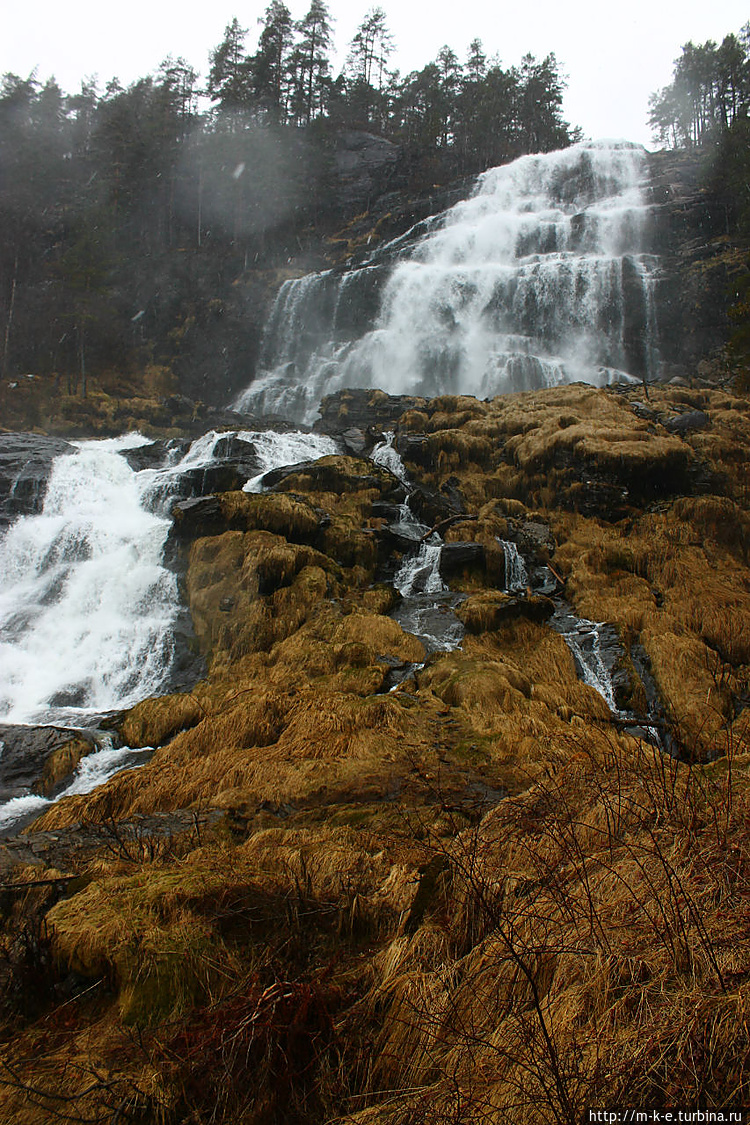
{"x": 234, "y": 462}
{"x": 197, "y": 517}
{"x": 25, "y": 465}
{"x": 689, "y": 422}
{"x": 363, "y": 164}
{"x": 355, "y": 440}
{"x": 364, "y": 410}
{"x": 534, "y": 540}
{"x": 455, "y": 557}
{"x": 431, "y": 506}
{"x": 38, "y": 759}
{"x": 155, "y": 455}
{"x": 414, "y": 448}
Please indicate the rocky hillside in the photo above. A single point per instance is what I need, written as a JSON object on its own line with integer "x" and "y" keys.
{"x": 355, "y": 882}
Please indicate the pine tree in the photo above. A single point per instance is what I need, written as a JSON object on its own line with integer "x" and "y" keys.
{"x": 314, "y": 64}
{"x": 272, "y": 80}
{"x": 229, "y": 76}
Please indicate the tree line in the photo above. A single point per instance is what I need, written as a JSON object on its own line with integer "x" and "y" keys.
{"x": 128, "y": 214}
{"x": 708, "y": 94}
{"x": 475, "y": 110}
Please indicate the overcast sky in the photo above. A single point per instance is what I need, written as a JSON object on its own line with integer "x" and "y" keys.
{"x": 614, "y": 56}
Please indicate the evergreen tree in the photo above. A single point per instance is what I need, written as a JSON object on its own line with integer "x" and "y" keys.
{"x": 313, "y": 68}
{"x": 709, "y": 92}
{"x": 229, "y": 76}
{"x": 369, "y": 52}
{"x": 272, "y": 80}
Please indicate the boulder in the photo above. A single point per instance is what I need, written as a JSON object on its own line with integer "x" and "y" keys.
{"x": 39, "y": 759}
{"x": 25, "y": 465}
{"x": 197, "y": 517}
{"x": 366, "y": 410}
{"x": 234, "y": 462}
{"x": 154, "y": 455}
{"x": 687, "y": 423}
{"x": 458, "y": 556}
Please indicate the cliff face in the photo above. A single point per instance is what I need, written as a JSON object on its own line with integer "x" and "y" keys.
{"x": 701, "y": 255}
{"x": 483, "y": 892}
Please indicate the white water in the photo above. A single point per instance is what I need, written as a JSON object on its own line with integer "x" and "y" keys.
{"x": 275, "y": 450}
{"x": 92, "y": 771}
{"x": 86, "y": 608}
{"x": 420, "y": 573}
{"x": 539, "y": 278}
{"x": 516, "y": 576}
{"x": 584, "y": 641}
{"x": 386, "y": 455}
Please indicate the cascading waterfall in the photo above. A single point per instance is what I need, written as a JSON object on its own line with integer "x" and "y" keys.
{"x": 427, "y": 604}
{"x": 87, "y": 609}
{"x": 420, "y": 573}
{"x": 540, "y": 278}
{"x": 516, "y": 576}
{"x": 587, "y": 641}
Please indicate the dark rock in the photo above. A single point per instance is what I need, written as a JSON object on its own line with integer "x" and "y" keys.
{"x": 363, "y": 164}
{"x": 25, "y": 464}
{"x": 643, "y": 410}
{"x": 381, "y": 509}
{"x": 452, "y": 492}
{"x": 687, "y": 423}
{"x": 234, "y": 462}
{"x": 431, "y": 506}
{"x": 197, "y": 517}
{"x": 394, "y": 539}
{"x": 459, "y": 556}
{"x": 155, "y": 455}
{"x": 534, "y": 540}
{"x": 364, "y": 410}
{"x": 355, "y": 441}
{"x": 38, "y": 759}
{"x": 415, "y": 448}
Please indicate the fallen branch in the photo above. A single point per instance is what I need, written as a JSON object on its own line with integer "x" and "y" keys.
{"x": 443, "y": 524}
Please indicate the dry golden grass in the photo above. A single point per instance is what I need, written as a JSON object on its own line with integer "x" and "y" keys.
{"x": 580, "y": 943}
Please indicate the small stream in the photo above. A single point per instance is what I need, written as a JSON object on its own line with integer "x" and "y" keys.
{"x": 427, "y": 603}
{"x": 426, "y": 611}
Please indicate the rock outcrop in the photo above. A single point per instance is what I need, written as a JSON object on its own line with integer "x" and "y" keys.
{"x": 25, "y": 464}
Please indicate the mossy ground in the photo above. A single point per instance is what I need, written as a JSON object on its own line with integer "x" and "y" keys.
{"x": 472, "y": 899}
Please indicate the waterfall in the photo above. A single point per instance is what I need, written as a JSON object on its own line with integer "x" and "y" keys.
{"x": 385, "y": 454}
{"x": 420, "y": 573}
{"x": 87, "y": 610}
{"x": 587, "y": 641}
{"x": 540, "y": 278}
{"x": 516, "y": 577}
{"x": 274, "y": 450}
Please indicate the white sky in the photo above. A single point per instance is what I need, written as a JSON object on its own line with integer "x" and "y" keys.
{"x": 614, "y": 56}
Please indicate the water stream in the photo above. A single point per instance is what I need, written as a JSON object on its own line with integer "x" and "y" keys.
{"x": 426, "y": 606}
{"x": 87, "y": 607}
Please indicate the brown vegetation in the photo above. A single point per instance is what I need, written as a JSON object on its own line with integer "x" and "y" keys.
{"x": 473, "y": 899}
